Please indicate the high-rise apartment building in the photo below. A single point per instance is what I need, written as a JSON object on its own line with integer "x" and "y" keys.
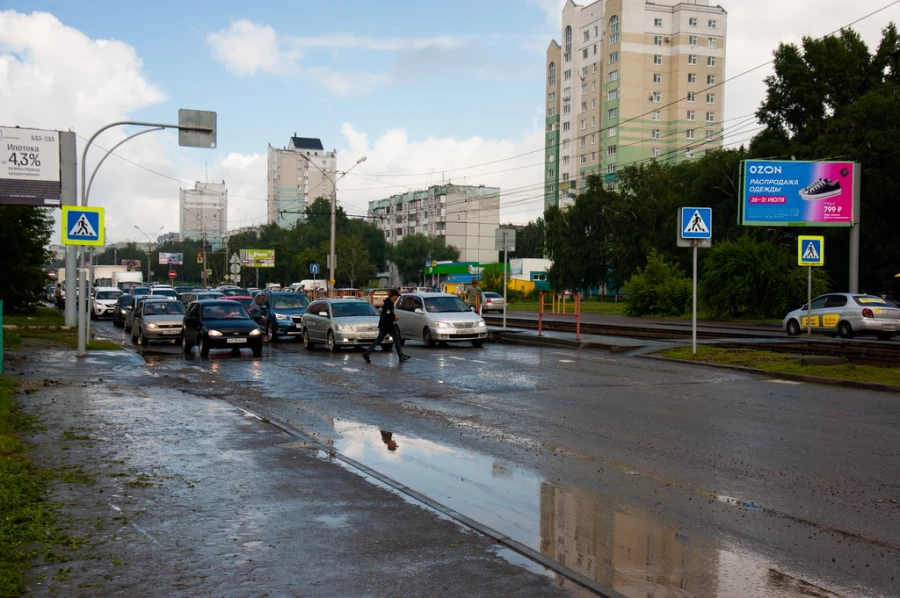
{"x": 203, "y": 213}
{"x": 465, "y": 216}
{"x": 298, "y": 174}
{"x": 633, "y": 81}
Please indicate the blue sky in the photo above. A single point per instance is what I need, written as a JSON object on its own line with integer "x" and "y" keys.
{"x": 426, "y": 90}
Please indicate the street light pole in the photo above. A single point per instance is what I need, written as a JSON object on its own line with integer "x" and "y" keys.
{"x": 149, "y": 247}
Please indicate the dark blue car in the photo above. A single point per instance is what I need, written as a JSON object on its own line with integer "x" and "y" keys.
{"x": 279, "y": 313}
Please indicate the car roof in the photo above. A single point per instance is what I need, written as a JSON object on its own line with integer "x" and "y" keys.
{"x": 107, "y": 289}
{"x": 233, "y": 297}
{"x": 343, "y": 300}
{"x": 431, "y": 294}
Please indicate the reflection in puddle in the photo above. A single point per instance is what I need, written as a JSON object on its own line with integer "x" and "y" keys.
{"x": 592, "y": 534}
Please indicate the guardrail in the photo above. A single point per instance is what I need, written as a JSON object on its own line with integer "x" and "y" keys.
{"x": 558, "y": 307}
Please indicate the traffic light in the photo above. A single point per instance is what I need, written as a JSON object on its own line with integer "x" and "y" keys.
{"x": 199, "y": 258}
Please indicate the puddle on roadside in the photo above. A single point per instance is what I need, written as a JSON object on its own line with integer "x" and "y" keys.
{"x": 619, "y": 546}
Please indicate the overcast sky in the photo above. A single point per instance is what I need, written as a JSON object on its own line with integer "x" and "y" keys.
{"x": 427, "y": 91}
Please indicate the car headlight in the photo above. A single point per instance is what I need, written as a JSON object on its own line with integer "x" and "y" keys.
{"x": 122, "y": 311}
{"x": 152, "y": 325}
{"x": 215, "y": 333}
{"x": 281, "y": 317}
{"x": 480, "y": 323}
{"x": 443, "y": 325}
{"x": 255, "y": 332}
{"x": 345, "y": 328}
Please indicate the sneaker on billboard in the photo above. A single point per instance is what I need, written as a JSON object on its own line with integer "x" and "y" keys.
{"x": 821, "y": 189}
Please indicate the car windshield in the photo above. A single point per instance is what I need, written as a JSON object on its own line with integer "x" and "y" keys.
{"x": 109, "y": 294}
{"x": 163, "y": 308}
{"x": 494, "y": 295}
{"x": 245, "y": 301}
{"x": 165, "y": 292}
{"x": 208, "y": 295}
{"x": 297, "y": 301}
{"x": 140, "y": 290}
{"x": 870, "y": 300}
{"x": 235, "y": 292}
{"x": 222, "y": 311}
{"x": 356, "y": 308}
{"x": 445, "y": 304}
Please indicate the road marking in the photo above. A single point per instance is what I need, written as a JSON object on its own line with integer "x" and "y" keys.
{"x": 350, "y": 370}
{"x": 331, "y": 365}
{"x": 567, "y": 361}
{"x": 784, "y": 382}
{"x": 478, "y": 361}
{"x": 457, "y": 358}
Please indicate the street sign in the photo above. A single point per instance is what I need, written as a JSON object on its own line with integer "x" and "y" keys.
{"x": 811, "y": 251}
{"x": 197, "y": 118}
{"x": 235, "y": 268}
{"x": 236, "y": 278}
{"x": 82, "y": 226}
{"x": 314, "y": 268}
{"x": 199, "y": 258}
{"x": 696, "y": 223}
{"x": 172, "y": 274}
{"x": 682, "y": 242}
{"x": 235, "y": 259}
{"x": 505, "y": 238}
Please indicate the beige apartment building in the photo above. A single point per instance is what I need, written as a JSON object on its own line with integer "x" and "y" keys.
{"x": 633, "y": 81}
{"x": 297, "y": 175}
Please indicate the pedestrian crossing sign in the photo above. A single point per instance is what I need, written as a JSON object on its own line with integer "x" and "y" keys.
{"x": 811, "y": 251}
{"x": 696, "y": 223}
{"x": 83, "y": 226}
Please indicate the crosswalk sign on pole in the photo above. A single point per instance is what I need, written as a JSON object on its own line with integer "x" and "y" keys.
{"x": 83, "y": 226}
{"x": 696, "y": 223}
{"x": 811, "y": 251}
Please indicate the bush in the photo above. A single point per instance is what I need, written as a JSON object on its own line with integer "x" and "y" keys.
{"x": 659, "y": 288}
{"x": 751, "y": 279}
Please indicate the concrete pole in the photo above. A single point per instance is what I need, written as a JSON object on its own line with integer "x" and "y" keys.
{"x": 331, "y": 256}
{"x": 82, "y": 289}
{"x": 854, "y": 231}
{"x": 68, "y": 162}
{"x": 505, "y": 262}
{"x": 90, "y": 284}
{"x": 694, "y": 307}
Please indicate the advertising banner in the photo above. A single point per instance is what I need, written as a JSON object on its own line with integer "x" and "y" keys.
{"x": 29, "y": 167}
{"x": 171, "y": 259}
{"x": 258, "y": 258}
{"x": 797, "y": 193}
{"x": 132, "y": 265}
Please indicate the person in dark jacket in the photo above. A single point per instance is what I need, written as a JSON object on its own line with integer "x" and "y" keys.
{"x": 387, "y": 324}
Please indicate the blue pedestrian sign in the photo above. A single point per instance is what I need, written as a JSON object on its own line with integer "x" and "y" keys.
{"x": 83, "y": 226}
{"x": 811, "y": 251}
{"x": 314, "y": 268}
{"x": 696, "y": 223}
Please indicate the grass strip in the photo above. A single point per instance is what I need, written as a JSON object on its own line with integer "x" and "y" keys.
{"x": 786, "y": 363}
{"x": 43, "y": 316}
{"x": 64, "y": 338}
{"x": 588, "y": 306}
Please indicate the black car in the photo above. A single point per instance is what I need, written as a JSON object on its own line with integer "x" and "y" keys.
{"x": 220, "y": 324}
{"x": 119, "y": 310}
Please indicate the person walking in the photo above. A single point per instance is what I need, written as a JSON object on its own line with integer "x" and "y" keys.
{"x": 387, "y": 324}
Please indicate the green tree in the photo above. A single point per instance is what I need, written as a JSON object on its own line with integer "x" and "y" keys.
{"x": 412, "y": 251}
{"x": 353, "y": 262}
{"x": 529, "y": 241}
{"x": 659, "y": 288}
{"x": 23, "y": 262}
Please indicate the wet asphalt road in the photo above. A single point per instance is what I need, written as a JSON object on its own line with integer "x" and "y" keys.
{"x": 641, "y": 474}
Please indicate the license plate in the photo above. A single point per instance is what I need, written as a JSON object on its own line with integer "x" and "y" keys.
{"x": 172, "y": 331}
{"x": 236, "y": 341}
{"x": 889, "y": 327}
{"x": 368, "y": 335}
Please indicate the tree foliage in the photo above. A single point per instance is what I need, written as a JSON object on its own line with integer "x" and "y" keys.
{"x": 410, "y": 254}
{"x": 23, "y": 262}
{"x": 659, "y": 288}
{"x": 529, "y": 241}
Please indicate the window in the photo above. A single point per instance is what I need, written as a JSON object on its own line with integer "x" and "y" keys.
{"x": 584, "y": 53}
{"x": 710, "y": 79}
{"x": 613, "y": 76}
{"x": 612, "y": 131}
{"x": 710, "y": 61}
{"x": 551, "y": 174}
{"x": 691, "y": 97}
{"x": 567, "y": 75}
{"x": 552, "y": 76}
{"x": 587, "y": 36}
{"x": 656, "y": 97}
{"x": 709, "y": 135}
{"x": 551, "y": 97}
{"x": 712, "y": 23}
{"x": 567, "y": 94}
{"x": 550, "y": 158}
{"x": 692, "y": 21}
{"x": 613, "y": 31}
{"x": 657, "y": 22}
{"x": 593, "y": 139}
{"x": 689, "y": 152}
{"x": 710, "y": 98}
{"x": 690, "y": 133}
{"x": 692, "y": 59}
{"x": 593, "y": 156}
{"x": 611, "y": 150}
{"x": 594, "y": 103}
{"x": 657, "y": 40}
{"x": 611, "y": 169}
{"x": 654, "y": 134}
{"x": 566, "y": 126}
{"x": 657, "y": 78}
{"x": 657, "y": 59}
{"x": 692, "y": 77}
{"x": 551, "y": 112}
{"x": 565, "y": 177}
{"x": 583, "y": 124}
{"x": 568, "y": 40}
{"x": 656, "y": 115}
{"x": 593, "y": 86}
{"x": 692, "y": 40}
{"x": 710, "y": 117}
{"x": 611, "y": 185}
{"x": 594, "y": 66}
{"x": 584, "y": 72}
{"x": 691, "y": 115}
{"x": 712, "y": 42}
{"x": 613, "y": 57}
{"x": 596, "y": 31}
{"x": 567, "y": 108}
{"x": 584, "y": 88}
{"x": 584, "y": 106}
{"x": 655, "y": 152}
{"x": 584, "y": 158}
{"x": 593, "y": 121}
{"x": 565, "y": 144}
{"x": 612, "y": 94}
{"x": 612, "y": 113}
{"x": 584, "y": 141}
{"x": 565, "y": 160}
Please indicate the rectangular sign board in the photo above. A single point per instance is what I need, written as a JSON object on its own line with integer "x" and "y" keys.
{"x": 505, "y": 234}
{"x": 172, "y": 259}
{"x": 29, "y": 167}
{"x": 810, "y": 251}
{"x": 82, "y": 225}
{"x": 794, "y": 193}
{"x": 258, "y": 258}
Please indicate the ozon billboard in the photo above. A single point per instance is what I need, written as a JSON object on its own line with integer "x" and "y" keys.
{"x": 798, "y": 193}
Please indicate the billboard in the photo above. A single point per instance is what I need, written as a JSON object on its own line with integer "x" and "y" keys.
{"x": 132, "y": 265}
{"x": 171, "y": 259}
{"x": 258, "y": 258}
{"x": 29, "y": 167}
{"x": 793, "y": 193}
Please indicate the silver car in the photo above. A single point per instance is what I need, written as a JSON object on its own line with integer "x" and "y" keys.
{"x": 341, "y": 323}
{"x": 439, "y": 318}
{"x": 492, "y": 302}
{"x": 157, "y": 319}
{"x": 845, "y": 315}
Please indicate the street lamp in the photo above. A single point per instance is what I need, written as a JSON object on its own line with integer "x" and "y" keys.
{"x": 331, "y": 253}
{"x": 149, "y": 245}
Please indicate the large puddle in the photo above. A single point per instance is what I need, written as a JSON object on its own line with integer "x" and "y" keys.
{"x": 632, "y": 551}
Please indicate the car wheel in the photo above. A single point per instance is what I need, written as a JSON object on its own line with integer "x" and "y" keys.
{"x": 257, "y": 350}
{"x": 94, "y": 315}
{"x": 142, "y": 340}
{"x": 185, "y": 345}
{"x": 427, "y": 338}
{"x": 204, "y": 346}
{"x": 307, "y": 342}
{"x": 478, "y": 343}
{"x": 845, "y": 330}
{"x": 271, "y": 333}
{"x": 330, "y": 341}
{"x": 885, "y": 336}
{"x": 793, "y": 328}
{"x": 133, "y": 335}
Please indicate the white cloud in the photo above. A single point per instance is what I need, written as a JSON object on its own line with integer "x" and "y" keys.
{"x": 246, "y": 48}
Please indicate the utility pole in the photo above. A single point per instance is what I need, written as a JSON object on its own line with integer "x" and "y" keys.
{"x": 204, "y": 276}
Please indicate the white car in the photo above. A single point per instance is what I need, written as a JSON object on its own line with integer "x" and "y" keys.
{"x": 438, "y": 318}
{"x": 103, "y": 301}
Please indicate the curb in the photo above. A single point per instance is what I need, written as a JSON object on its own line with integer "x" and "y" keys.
{"x": 787, "y": 376}
{"x": 513, "y": 339}
{"x": 44, "y": 328}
